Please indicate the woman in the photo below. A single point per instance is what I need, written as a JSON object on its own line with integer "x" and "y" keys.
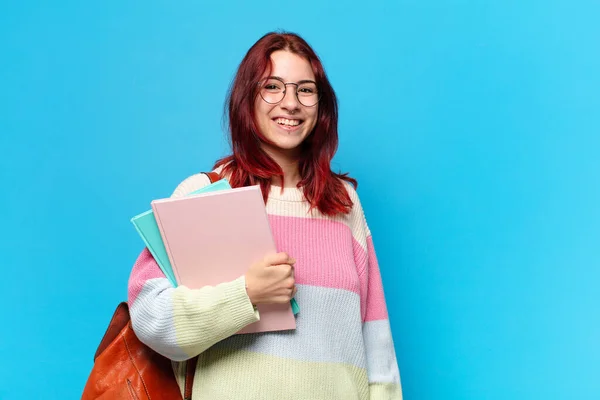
{"x": 283, "y": 125}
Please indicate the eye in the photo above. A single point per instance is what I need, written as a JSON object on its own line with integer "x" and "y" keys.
{"x": 307, "y": 89}
{"x": 273, "y": 85}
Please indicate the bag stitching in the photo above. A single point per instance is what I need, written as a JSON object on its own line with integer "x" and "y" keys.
{"x": 132, "y": 393}
{"x": 136, "y": 368}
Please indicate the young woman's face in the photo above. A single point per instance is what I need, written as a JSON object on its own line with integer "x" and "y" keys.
{"x": 287, "y": 123}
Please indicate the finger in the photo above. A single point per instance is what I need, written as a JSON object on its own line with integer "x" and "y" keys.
{"x": 291, "y": 289}
{"x": 286, "y": 270}
{"x": 277, "y": 258}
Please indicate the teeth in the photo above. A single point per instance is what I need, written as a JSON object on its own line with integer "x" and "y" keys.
{"x": 288, "y": 122}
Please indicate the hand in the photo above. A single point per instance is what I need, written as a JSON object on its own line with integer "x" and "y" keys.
{"x": 271, "y": 280}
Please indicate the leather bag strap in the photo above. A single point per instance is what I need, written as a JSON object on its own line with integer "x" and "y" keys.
{"x": 213, "y": 176}
{"x": 190, "y": 370}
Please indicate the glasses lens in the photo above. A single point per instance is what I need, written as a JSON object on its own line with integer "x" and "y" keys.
{"x": 308, "y": 94}
{"x": 272, "y": 90}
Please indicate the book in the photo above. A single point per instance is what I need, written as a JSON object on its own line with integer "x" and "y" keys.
{"x": 145, "y": 224}
{"x": 213, "y": 237}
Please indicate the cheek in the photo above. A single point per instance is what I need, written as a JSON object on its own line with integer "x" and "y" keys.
{"x": 313, "y": 119}
{"x": 262, "y": 113}
{"x": 258, "y": 109}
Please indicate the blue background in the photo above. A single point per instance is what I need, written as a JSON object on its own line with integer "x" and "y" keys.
{"x": 473, "y": 128}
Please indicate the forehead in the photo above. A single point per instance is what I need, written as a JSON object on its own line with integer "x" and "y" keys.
{"x": 291, "y": 67}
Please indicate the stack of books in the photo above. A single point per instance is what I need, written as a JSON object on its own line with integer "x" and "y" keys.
{"x": 212, "y": 236}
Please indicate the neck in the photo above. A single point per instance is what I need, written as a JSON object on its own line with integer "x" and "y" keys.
{"x": 288, "y": 161}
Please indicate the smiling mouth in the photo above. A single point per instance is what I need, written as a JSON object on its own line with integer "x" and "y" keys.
{"x": 288, "y": 123}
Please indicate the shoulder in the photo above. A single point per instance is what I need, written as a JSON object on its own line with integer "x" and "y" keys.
{"x": 194, "y": 182}
{"x": 351, "y": 192}
{"x": 354, "y": 197}
{"x": 190, "y": 184}
{"x": 356, "y": 218}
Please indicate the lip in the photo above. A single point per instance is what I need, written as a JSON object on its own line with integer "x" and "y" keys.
{"x": 287, "y": 128}
{"x": 287, "y": 117}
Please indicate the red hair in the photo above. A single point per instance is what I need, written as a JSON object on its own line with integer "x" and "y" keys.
{"x": 250, "y": 165}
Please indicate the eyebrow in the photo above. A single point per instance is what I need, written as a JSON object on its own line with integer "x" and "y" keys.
{"x": 299, "y": 82}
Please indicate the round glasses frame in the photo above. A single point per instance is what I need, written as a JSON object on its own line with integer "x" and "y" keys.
{"x": 313, "y": 102}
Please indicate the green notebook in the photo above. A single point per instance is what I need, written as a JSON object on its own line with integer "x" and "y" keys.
{"x": 146, "y": 226}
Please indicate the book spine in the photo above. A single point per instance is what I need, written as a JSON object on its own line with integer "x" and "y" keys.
{"x": 166, "y": 243}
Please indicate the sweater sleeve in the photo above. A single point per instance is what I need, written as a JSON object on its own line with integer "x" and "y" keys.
{"x": 180, "y": 322}
{"x": 382, "y": 366}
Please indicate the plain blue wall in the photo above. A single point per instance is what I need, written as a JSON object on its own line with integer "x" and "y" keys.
{"x": 473, "y": 128}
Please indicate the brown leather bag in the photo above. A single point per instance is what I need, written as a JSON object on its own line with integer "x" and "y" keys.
{"x": 125, "y": 368}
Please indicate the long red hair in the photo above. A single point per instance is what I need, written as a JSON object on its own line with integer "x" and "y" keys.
{"x": 250, "y": 165}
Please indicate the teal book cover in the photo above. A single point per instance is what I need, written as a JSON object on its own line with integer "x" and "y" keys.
{"x": 145, "y": 224}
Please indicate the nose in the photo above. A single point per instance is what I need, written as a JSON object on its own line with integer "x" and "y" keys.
{"x": 290, "y": 100}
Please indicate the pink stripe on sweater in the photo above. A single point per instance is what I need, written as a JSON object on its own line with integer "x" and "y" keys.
{"x": 373, "y": 304}
{"x": 145, "y": 268}
{"x": 362, "y": 264}
{"x": 323, "y": 250}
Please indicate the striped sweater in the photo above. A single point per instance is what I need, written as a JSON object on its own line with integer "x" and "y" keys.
{"x": 342, "y": 347}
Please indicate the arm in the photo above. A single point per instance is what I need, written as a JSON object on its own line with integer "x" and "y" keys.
{"x": 181, "y": 323}
{"x": 382, "y": 366}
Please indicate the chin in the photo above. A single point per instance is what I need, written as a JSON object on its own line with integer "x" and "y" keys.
{"x": 286, "y": 145}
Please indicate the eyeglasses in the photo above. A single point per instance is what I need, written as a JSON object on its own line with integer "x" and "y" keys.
{"x": 273, "y": 89}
